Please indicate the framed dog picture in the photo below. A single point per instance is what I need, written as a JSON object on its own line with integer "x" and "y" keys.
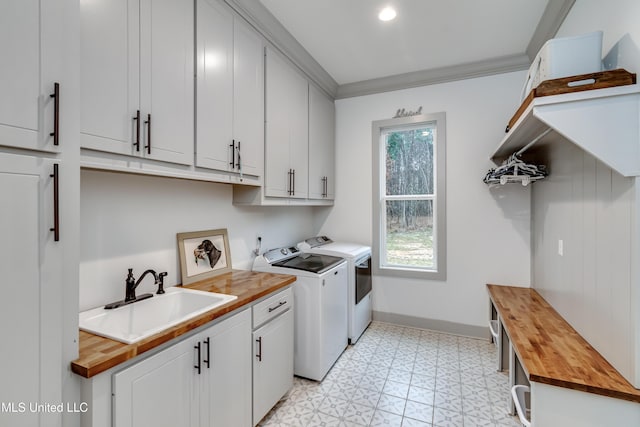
{"x": 203, "y": 254}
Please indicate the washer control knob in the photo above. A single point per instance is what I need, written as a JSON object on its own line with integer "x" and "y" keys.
{"x": 284, "y": 251}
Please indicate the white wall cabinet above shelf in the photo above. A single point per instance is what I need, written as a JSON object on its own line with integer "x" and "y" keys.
{"x": 603, "y": 122}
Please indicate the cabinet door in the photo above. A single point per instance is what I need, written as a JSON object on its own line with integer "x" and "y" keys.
{"x": 277, "y": 166}
{"x": 299, "y": 134}
{"x": 160, "y": 391}
{"x": 226, "y": 385}
{"x": 109, "y": 75}
{"x": 166, "y": 79}
{"x": 321, "y": 145}
{"x": 214, "y": 44}
{"x": 30, "y": 307}
{"x": 286, "y": 138}
{"x": 333, "y": 316}
{"x": 30, "y": 48}
{"x": 272, "y": 363}
{"x": 248, "y": 98}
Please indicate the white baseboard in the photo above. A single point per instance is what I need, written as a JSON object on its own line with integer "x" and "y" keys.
{"x": 473, "y": 331}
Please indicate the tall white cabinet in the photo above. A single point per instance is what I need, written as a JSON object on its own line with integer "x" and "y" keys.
{"x": 287, "y": 129}
{"x": 229, "y": 93}
{"x": 30, "y": 261}
{"x": 39, "y": 209}
{"x": 137, "y": 78}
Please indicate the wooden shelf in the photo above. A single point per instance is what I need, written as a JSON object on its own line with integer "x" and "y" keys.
{"x": 603, "y": 122}
{"x": 550, "y": 350}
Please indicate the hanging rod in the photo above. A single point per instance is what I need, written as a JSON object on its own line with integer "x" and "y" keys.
{"x": 536, "y": 139}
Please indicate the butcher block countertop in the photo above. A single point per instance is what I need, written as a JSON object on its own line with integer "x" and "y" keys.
{"x": 550, "y": 350}
{"x": 97, "y": 354}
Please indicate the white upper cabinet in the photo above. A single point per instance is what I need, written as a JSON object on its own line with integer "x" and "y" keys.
{"x": 287, "y": 126}
{"x": 321, "y": 145}
{"x": 137, "y": 78}
{"x": 248, "y": 97}
{"x": 32, "y": 54}
{"x": 230, "y": 93}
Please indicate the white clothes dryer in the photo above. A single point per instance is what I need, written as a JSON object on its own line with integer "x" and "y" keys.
{"x": 359, "y": 278}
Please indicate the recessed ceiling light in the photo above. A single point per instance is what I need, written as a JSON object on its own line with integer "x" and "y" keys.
{"x": 387, "y": 14}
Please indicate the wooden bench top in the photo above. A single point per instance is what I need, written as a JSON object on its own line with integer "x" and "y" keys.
{"x": 550, "y": 350}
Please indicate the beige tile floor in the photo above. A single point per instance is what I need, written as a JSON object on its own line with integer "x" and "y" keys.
{"x": 399, "y": 376}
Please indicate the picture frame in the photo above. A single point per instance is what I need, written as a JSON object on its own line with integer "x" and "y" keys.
{"x": 203, "y": 254}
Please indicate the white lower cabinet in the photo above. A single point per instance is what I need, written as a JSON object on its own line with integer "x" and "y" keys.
{"x": 159, "y": 391}
{"x": 204, "y": 380}
{"x": 226, "y": 389}
{"x": 272, "y": 363}
{"x": 31, "y": 307}
{"x": 227, "y": 375}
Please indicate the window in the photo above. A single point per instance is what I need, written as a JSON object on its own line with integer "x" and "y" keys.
{"x": 409, "y": 197}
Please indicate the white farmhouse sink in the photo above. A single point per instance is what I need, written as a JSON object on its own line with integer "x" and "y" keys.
{"x": 139, "y": 320}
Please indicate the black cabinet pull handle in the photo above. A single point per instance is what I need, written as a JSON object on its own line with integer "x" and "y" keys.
{"x": 148, "y": 123}
{"x": 56, "y": 204}
{"x": 206, "y": 362}
{"x": 293, "y": 187}
{"x": 280, "y": 304}
{"x": 238, "y": 156}
{"x": 290, "y": 186}
{"x": 136, "y": 118}
{"x": 259, "y": 355}
{"x": 198, "y": 366}
{"x": 232, "y": 163}
{"x": 56, "y": 113}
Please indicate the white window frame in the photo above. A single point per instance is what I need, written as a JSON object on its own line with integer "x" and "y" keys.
{"x": 379, "y": 129}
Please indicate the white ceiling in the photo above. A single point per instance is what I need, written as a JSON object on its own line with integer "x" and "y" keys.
{"x": 352, "y": 45}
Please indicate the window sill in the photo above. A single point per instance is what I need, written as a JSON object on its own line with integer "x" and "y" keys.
{"x": 410, "y": 273}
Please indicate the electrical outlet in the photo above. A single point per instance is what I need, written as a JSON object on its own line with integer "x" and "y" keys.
{"x": 560, "y": 247}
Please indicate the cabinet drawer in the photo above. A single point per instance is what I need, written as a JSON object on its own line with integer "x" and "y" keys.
{"x": 272, "y": 306}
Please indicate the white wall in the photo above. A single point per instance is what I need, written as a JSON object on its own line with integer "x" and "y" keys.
{"x": 132, "y": 221}
{"x": 487, "y": 230}
{"x": 616, "y": 18}
{"x": 592, "y": 209}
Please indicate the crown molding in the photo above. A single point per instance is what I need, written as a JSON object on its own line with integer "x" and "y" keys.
{"x": 470, "y": 70}
{"x": 273, "y": 31}
{"x": 552, "y": 18}
{"x": 263, "y": 21}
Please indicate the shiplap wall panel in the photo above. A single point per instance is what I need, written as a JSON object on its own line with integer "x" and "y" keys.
{"x": 591, "y": 209}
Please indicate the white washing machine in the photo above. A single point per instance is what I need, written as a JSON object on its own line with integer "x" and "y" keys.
{"x": 359, "y": 278}
{"x": 320, "y": 306}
